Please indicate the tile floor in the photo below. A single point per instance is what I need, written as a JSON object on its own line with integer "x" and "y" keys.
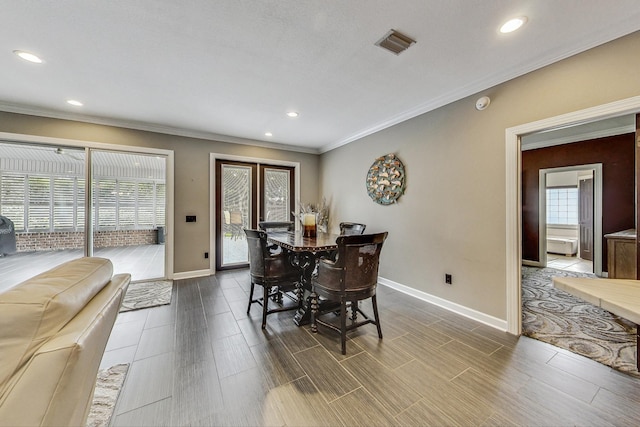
{"x": 569, "y": 263}
{"x": 203, "y": 361}
{"x": 21, "y": 266}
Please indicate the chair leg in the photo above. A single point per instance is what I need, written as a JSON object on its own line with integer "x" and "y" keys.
{"x": 265, "y": 303}
{"x": 354, "y": 311}
{"x": 343, "y": 325}
{"x": 374, "y": 302}
{"x": 299, "y": 294}
{"x": 250, "y": 297}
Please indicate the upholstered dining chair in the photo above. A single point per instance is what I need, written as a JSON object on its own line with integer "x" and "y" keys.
{"x": 349, "y": 228}
{"x": 351, "y": 278}
{"x": 274, "y": 272}
{"x": 275, "y": 226}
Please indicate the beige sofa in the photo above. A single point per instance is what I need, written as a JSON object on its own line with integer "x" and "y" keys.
{"x": 54, "y": 328}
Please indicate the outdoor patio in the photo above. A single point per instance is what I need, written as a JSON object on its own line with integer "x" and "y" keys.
{"x": 143, "y": 262}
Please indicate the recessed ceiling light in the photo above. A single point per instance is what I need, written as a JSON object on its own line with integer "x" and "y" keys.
{"x": 292, "y": 114}
{"x": 513, "y": 24}
{"x": 74, "y": 103}
{"x": 268, "y": 134}
{"x": 28, "y": 56}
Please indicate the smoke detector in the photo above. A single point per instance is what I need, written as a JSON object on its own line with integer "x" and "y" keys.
{"x": 395, "y": 42}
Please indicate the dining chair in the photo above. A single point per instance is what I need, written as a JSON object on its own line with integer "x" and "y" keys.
{"x": 352, "y": 277}
{"x": 236, "y": 224}
{"x": 349, "y": 228}
{"x": 274, "y": 272}
{"x": 276, "y": 226}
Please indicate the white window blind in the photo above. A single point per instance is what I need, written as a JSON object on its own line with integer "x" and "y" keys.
{"x": 56, "y": 203}
{"x": 39, "y": 196}
{"x": 12, "y": 199}
{"x": 161, "y": 198}
{"x": 64, "y": 202}
{"x": 146, "y": 202}
{"x": 105, "y": 199}
{"x": 79, "y": 202}
{"x": 126, "y": 204}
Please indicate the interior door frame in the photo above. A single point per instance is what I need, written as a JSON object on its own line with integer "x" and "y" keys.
{"x": 212, "y": 192}
{"x": 513, "y": 183}
{"x": 597, "y": 212}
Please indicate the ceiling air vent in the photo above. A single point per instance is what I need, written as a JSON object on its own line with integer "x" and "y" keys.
{"x": 395, "y": 42}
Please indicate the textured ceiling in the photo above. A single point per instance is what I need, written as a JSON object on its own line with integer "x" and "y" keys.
{"x": 230, "y": 69}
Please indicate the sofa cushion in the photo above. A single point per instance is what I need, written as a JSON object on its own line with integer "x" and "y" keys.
{"x": 36, "y": 309}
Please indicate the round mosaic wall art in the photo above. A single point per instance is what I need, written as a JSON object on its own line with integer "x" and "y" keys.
{"x": 385, "y": 180}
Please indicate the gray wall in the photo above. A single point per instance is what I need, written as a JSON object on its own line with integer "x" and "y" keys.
{"x": 452, "y": 216}
{"x": 451, "y": 219}
{"x": 191, "y": 172}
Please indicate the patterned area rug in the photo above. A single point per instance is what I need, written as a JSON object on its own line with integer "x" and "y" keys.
{"x": 147, "y": 294}
{"x": 108, "y": 386}
{"x": 557, "y": 317}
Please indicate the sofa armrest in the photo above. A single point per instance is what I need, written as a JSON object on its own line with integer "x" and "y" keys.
{"x": 56, "y": 386}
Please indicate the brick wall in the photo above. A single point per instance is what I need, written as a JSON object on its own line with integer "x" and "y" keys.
{"x": 29, "y": 242}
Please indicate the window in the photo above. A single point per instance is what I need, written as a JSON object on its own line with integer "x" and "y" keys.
{"x": 41, "y": 203}
{"x": 562, "y": 206}
{"x": 64, "y": 191}
{"x": 146, "y": 205}
{"x": 276, "y": 194}
{"x": 12, "y": 199}
{"x": 105, "y": 207}
{"x": 126, "y": 204}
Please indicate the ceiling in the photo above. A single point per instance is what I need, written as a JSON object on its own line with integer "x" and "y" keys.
{"x": 230, "y": 69}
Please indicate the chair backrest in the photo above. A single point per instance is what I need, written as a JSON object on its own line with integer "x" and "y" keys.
{"x": 257, "y": 242}
{"x": 235, "y": 217}
{"x": 359, "y": 257}
{"x": 275, "y": 226}
{"x": 349, "y": 228}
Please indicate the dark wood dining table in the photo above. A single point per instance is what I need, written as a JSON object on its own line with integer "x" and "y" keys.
{"x": 304, "y": 252}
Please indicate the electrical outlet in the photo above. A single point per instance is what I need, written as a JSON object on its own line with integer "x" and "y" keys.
{"x": 206, "y": 255}
{"x": 448, "y": 279}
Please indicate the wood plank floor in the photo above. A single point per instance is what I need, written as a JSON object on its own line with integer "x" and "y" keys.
{"x": 201, "y": 361}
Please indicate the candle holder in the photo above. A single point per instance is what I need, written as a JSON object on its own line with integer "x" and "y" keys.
{"x": 309, "y": 224}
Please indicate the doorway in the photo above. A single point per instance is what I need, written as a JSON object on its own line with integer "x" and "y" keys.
{"x": 513, "y": 230}
{"x": 247, "y": 192}
{"x": 66, "y": 200}
{"x": 570, "y": 218}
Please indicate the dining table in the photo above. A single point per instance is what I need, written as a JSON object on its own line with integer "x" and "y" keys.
{"x": 304, "y": 252}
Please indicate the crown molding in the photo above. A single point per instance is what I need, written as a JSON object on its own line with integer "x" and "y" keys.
{"x": 485, "y": 84}
{"x": 149, "y": 127}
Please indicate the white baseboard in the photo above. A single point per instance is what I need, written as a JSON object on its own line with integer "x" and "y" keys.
{"x": 192, "y": 274}
{"x": 448, "y": 305}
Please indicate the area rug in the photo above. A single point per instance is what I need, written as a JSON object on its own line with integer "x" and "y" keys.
{"x": 147, "y": 294}
{"x": 108, "y": 386}
{"x": 559, "y": 318}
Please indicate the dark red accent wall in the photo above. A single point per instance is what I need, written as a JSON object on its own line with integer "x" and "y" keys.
{"x": 617, "y": 155}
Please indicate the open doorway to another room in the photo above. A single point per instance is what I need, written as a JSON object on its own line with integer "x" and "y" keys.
{"x": 571, "y": 217}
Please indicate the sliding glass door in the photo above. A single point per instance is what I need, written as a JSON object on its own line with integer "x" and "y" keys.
{"x": 128, "y": 205}
{"x": 43, "y": 210}
{"x": 247, "y": 193}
